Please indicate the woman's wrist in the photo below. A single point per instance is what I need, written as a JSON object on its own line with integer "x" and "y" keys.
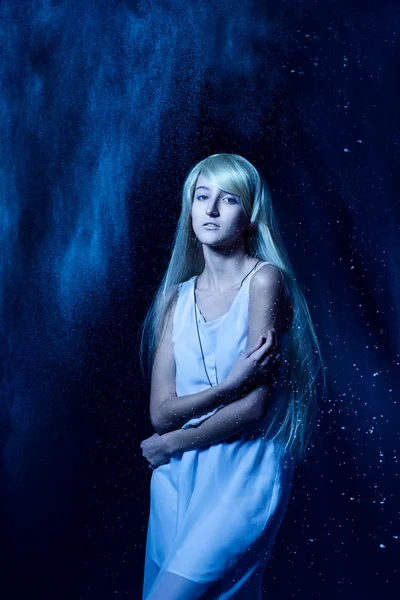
{"x": 172, "y": 441}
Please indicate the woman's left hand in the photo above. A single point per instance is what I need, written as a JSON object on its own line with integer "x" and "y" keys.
{"x": 155, "y": 450}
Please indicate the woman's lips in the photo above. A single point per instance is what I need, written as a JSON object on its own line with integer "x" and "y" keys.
{"x": 211, "y": 226}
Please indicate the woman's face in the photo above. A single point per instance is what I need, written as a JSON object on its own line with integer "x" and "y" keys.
{"x": 213, "y": 205}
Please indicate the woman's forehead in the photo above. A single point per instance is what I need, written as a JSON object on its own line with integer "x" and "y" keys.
{"x": 204, "y": 183}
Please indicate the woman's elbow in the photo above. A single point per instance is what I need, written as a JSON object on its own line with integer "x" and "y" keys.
{"x": 156, "y": 422}
{"x": 160, "y": 425}
{"x": 157, "y": 428}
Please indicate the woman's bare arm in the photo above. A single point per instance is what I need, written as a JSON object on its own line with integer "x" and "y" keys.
{"x": 266, "y": 311}
{"x": 168, "y": 412}
{"x": 226, "y": 422}
{"x": 178, "y": 410}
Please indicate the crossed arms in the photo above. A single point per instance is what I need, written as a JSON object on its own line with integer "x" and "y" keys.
{"x": 168, "y": 412}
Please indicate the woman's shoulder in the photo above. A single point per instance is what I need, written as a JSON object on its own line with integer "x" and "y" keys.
{"x": 175, "y": 290}
{"x": 183, "y": 284}
{"x": 268, "y": 274}
{"x": 272, "y": 278}
{"x": 269, "y": 283}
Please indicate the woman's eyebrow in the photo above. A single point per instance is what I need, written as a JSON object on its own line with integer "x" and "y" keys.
{"x": 204, "y": 187}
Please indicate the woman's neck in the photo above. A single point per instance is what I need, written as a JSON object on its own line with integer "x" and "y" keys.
{"x": 224, "y": 273}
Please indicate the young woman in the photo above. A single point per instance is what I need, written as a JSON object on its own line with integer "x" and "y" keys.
{"x": 230, "y": 420}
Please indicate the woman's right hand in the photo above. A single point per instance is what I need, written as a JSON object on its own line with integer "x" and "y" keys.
{"x": 253, "y": 366}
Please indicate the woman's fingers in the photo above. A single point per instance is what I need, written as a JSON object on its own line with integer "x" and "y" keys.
{"x": 265, "y": 345}
{"x": 269, "y": 343}
{"x": 269, "y": 350}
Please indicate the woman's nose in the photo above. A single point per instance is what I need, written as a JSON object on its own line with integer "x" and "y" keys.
{"x": 211, "y": 208}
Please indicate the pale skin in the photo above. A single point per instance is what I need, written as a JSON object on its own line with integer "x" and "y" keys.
{"x": 226, "y": 263}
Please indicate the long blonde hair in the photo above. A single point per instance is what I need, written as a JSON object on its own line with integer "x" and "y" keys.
{"x": 294, "y": 416}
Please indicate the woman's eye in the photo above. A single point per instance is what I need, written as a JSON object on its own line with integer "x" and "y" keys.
{"x": 201, "y": 196}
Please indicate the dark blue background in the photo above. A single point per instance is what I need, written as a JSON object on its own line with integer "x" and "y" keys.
{"x": 104, "y": 107}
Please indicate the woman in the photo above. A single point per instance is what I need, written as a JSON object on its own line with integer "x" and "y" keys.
{"x": 230, "y": 421}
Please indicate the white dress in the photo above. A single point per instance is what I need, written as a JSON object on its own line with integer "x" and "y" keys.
{"x": 214, "y": 510}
